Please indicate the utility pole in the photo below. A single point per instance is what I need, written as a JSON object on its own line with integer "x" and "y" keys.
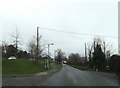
{"x": 104, "y": 49}
{"x": 48, "y": 49}
{"x": 37, "y": 52}
{"x": 85, "y": 53}
{"x": 54, "y": 54}
{"x": 48, "y": 60}
{"x": 94, "y": 46}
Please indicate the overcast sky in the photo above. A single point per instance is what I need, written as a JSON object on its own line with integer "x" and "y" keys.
{"x": 96, "y": 17}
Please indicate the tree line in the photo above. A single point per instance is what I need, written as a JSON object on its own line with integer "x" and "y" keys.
{"x": 99, "y": 55}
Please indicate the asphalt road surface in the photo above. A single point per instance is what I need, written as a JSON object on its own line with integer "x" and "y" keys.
{"x": 67, "y": 76}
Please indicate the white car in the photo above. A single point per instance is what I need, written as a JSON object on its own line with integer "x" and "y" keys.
{"x": 12, "y": 57}
{"x": 64, "y": 62}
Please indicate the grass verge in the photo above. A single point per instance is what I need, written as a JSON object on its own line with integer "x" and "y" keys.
{"x": 57, "y": 65}
{"x": 21, "y": 66}
{"x": 86, "y": 68}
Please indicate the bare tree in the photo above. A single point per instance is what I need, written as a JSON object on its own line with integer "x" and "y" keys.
{"x": 75, "y": 59}
{"x": 16, "y": 38}
{"x": 34, "y": 49}
{"x": 31, "y": 48}
{"x": 90, "y": 49}
{"x": 60, "y": 56}
{"x": 106, "y": 47}
{"x": 40, "y": 46}
{"x": 4, "y": 48}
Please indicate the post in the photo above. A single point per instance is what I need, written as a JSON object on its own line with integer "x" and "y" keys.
{"x": 48, "y": 57}
{"x": 54, "y": 55}
{"x": 85, "y": 53}
{"x": 37, "y": 52}
{"x": 97, "y": 65}
{"x": 104, "y": 50}
{"x": 94, "y": 45}
{"x": 48, "y": 49}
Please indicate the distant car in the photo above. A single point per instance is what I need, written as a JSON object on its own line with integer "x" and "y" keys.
{"x": 12, "y": 57}
{"x": 64, "y": 62}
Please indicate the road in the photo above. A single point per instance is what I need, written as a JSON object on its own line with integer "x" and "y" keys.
{"x": 67, "y": 76}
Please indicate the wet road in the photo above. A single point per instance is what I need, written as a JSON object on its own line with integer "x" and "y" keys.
{"x": 67, "y": 76}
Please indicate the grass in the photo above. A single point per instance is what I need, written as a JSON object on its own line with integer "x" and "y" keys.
{"x": 117, "y": 77}
{"x": 21, "y": 66}
{"x": 50, "y": 66}
{"x": 57, "y": 65}
{"x": 86, "y": 68}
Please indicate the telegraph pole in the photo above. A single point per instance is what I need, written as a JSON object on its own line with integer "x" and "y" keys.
{"x": 48, "y": 49}
{"x": 37, "y": 52}
{"x": 94, "y": 46}
{"x": 104, "y": 50}
{"x": 85, "y": 53}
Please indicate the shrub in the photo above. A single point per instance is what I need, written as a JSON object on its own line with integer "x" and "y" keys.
{"x": 114, "y": 63}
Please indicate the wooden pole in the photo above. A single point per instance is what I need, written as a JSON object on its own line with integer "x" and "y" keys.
{"x": 37, "y": 52}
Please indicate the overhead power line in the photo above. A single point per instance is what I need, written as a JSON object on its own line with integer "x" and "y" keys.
{"x": 76, "y": 33}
